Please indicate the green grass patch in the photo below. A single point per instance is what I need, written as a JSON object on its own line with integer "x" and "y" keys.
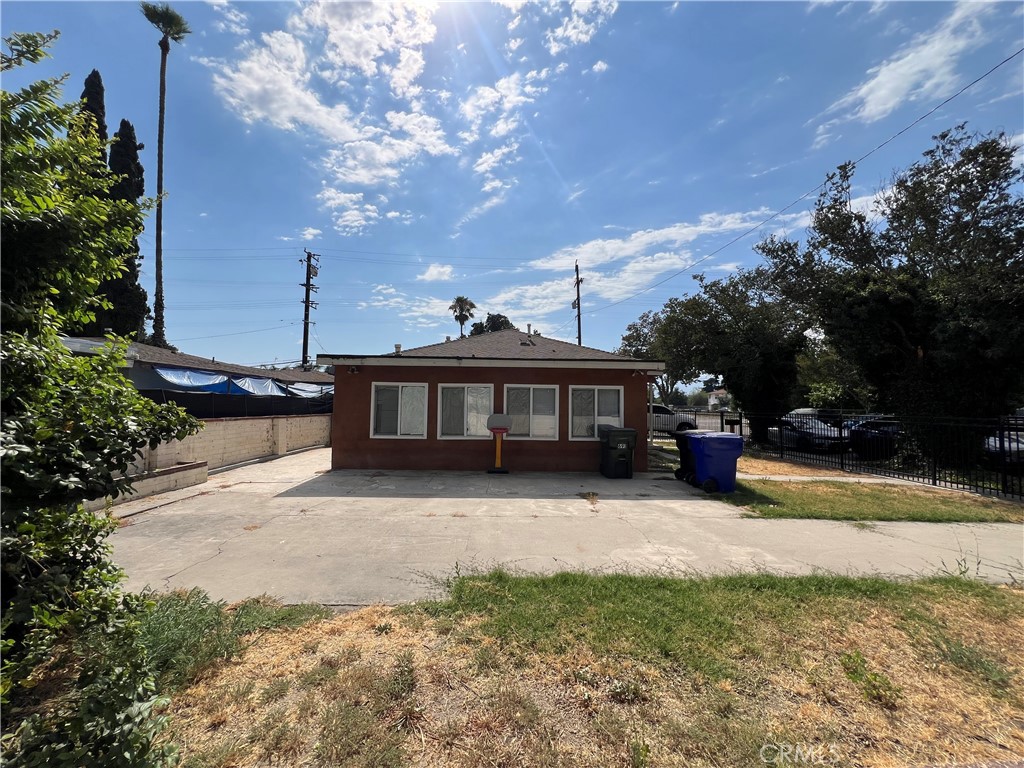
{"x": 187, "y": 633}
{"x": 875, "y": 686}
{"x": 867, "y": 502}
{"x": 702, "y": 624}
{"x": 974, "y": 661}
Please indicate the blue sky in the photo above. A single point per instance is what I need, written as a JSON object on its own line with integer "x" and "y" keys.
{"x": 481, "y": 149}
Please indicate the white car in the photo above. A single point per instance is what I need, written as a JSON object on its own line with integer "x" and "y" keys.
{"x": 667, "y": 420}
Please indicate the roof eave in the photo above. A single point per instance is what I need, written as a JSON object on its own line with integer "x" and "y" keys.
{"x": 398, "y": 361}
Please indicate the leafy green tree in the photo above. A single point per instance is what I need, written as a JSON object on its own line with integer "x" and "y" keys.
{"x": 74, "y": 681}
{"x": 640, "y": 341}
{"x": 491, "y": 324}
{"x": 127, "y": 309}
{"x": 826, "y": 380}
{"x": 172, "y": 27}
{"x": 462, "y": 308}
{"x": 925, "y": 297}
{"x": 740, "y": 329}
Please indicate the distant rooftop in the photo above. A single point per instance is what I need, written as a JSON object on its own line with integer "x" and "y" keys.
{"x": 508, "y": 345}
{"x": 145, "y": 353}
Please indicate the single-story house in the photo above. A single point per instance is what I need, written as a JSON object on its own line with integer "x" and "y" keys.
{"x": 210, "y": 388}
{"x": 427, "y": 408}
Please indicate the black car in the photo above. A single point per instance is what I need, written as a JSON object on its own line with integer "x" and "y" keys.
{"x": 877, "y": 438}
{"x": 805, "y": 433}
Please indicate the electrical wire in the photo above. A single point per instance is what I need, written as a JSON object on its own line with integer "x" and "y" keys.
{"x": 807, "y": 194}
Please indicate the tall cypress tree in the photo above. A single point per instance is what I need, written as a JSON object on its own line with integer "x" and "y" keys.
{"x": 92, "y": 97}
{"x": 127, "y": 315}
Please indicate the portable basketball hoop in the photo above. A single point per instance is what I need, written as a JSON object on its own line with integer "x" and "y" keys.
{"x": 498, "y": 424}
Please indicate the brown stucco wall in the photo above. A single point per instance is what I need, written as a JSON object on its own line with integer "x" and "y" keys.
{"x": 353, "y": 448}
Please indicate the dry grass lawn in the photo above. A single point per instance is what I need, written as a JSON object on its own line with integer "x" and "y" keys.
{"x": 389, "y": 687}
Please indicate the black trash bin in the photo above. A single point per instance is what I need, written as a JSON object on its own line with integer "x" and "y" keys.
{"x": 687, "y": 471}
{"x": 617, "y": 446}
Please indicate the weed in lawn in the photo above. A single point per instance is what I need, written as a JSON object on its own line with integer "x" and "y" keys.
{"x": 264, "y": 612}
{"x": 401, "y": 683}
{"x": 318, "y": 675}
{"x": 280, "y": 740}
{"x": 350, "y": 733}
{"x": 383, "y": 629}
{"x": 311, "y": 646}
{"x": 238, "y": 694}
{"x": 221, "y": 755}
{"x": 627, "y": 691}
{"x": 639, "y": 752}
{"x": 275, "y": 690}
{"x": 486, "y": 659}
{"x": 974, "y": 661}
{"x": 356, "y": 685}
{"x": 875, "y": 686}
{"x": 514, "y": 708}
{"x": 187, "y": 633}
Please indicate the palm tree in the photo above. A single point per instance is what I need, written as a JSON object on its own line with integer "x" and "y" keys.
{"x": 462, "y": 308}
{"x": 172, "y": 27}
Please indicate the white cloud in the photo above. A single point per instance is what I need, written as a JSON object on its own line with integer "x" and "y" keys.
{"x": 1018, "y": 142}
{"x": 437, "y": 273}
{"x": 489, "y": 161}
{"x": 203, "y": 215}
{"x": 599, "y": 67}
{"x": 310, "y": 233}
{"x": 922, "y": 70}
{"x": 350, "y": 213}
{"x": 604, "y": 251}
{"x": 280, "y": 80}
{"x": 232, "y": 20}
{"x": 584, "y": 19}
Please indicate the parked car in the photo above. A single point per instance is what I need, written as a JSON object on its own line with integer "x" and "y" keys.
{"x": 876, "y": 437}
{"x": 1007, "y": 448}
{"x": 667, "y": 420}
{"x": 806, "y": 433}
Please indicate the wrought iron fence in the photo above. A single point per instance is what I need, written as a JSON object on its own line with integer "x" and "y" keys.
{"x": 981, "y": 455}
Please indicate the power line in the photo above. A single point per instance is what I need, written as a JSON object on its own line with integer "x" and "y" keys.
{"x": 236, "y": 333}
{"x": 807, "y": 194}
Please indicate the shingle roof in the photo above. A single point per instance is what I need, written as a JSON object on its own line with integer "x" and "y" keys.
{"x": 160, "y": 356}
{"x": 502, "y": 345}
{"x": 510, "y": 345}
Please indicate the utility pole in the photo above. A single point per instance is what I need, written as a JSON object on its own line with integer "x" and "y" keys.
{"x": 578, "y": 307}
{"x": 312, "y": 270}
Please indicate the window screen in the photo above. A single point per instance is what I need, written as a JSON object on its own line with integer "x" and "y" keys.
{"x": 399, "y": 410}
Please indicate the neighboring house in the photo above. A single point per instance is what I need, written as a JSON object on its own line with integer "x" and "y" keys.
{"x": 209, "y": 388}
{"x": 427, "y": 408}
{"x": 717, "y": 399}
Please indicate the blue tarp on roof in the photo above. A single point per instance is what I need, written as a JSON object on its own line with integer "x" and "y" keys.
{"x": 206, "y": 381}
{"x": 301, "y": 389}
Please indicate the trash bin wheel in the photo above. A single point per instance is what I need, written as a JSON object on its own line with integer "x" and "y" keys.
{"x": 680, "y": 474}
{"x": 691, "y": 479}
{"x": 710, "y": 485}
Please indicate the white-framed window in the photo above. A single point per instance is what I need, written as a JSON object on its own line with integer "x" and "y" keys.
{"x": 398, "y": 410}
{"x": 591, "y": 406}
{"x": 463, "y": 410}
{"x": 534, "y": 411}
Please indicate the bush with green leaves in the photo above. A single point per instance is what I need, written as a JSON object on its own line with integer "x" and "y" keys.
{"x": 75, "y": 682}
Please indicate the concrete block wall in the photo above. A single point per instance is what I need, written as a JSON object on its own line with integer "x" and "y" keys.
{"x": 223, "y": 442}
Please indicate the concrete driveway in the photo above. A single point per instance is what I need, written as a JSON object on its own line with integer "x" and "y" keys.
{"x": 293, "y": 529}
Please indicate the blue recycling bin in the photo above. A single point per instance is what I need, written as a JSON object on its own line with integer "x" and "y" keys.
{"x": 714, "y": 457}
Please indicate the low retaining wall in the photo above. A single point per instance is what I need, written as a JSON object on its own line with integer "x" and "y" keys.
{"x": 222, "y": 443}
